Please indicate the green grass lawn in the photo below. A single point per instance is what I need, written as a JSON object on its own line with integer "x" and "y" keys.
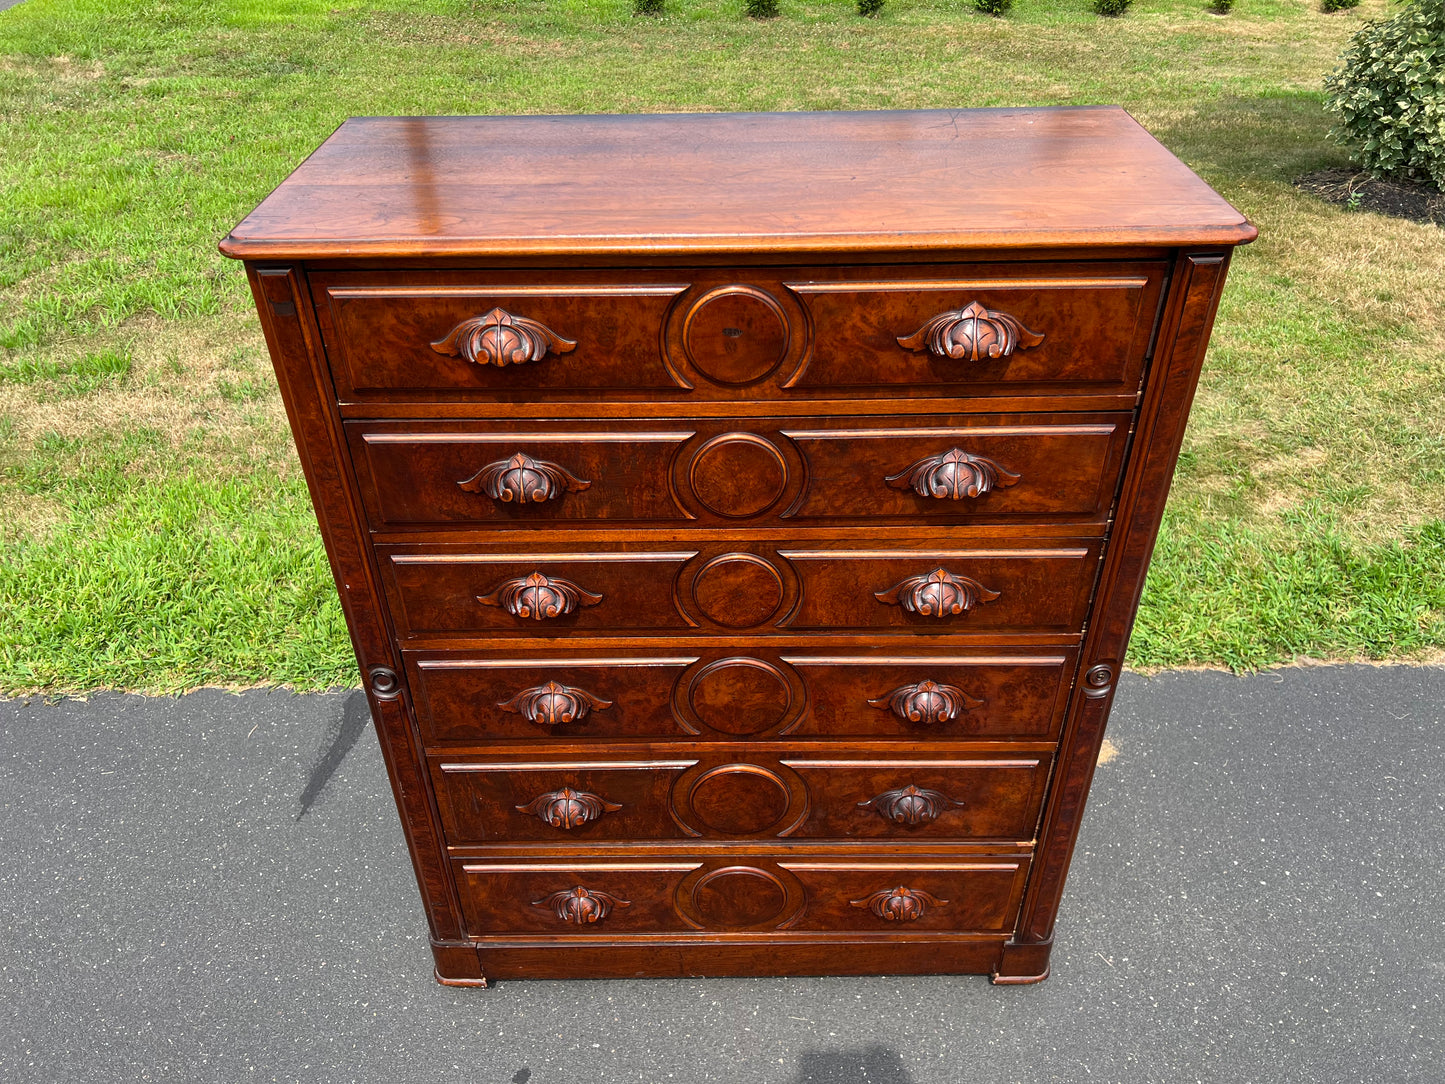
{"x": 154, "y": 529}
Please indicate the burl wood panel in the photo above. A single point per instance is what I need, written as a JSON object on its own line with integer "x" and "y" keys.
{"x": 706, "y": 336}
{"x": 1093, "y": 324}
{"x": 631, "y": 898}
{"x": 945, "y": 469}
{"x": 722, "y": 694}
{"x": 730, "y": 792}
{"x": 738, "y": 586}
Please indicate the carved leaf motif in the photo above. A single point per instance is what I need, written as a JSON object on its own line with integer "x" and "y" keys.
{"x": 910, "y": 805}
{"x": 901, "y": 904}
{"x": 568, "y": 808}
{"x": 938, "y": 594}
{"x": 553, "y": 704}
{"x": 539, "y": 598}
{"x": 522, "y": 480}
{"x": 953, "y": 475}
{"x": 972, "y": 333}
{"x": 581, "y": 905}
{"x": 927, "y": 702}
{"x": 499, "y": 338}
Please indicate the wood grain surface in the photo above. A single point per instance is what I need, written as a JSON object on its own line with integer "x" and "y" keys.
{"x": 735, "y": 183}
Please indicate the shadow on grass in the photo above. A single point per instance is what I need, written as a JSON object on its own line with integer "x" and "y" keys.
{"x": 1272, "y": 138}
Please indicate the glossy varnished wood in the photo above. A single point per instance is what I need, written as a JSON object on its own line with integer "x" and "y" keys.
{"x": 736, "y": 183}
{"x": 728, "y": 693}
{"x": 714, "y": 472}
{"x": 742, "y": 586}
{"x": 739, "y": 519}
{"x": 732, "y": 792}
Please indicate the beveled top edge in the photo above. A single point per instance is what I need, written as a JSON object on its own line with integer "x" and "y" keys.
{"x": 721, "y": 183}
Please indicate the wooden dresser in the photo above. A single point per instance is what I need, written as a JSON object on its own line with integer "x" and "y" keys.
{"x": 740, "y": 518}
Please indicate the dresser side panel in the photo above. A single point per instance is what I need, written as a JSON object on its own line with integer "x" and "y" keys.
{"x": 292, "y": 339}
{"x": 1169, "y": 391}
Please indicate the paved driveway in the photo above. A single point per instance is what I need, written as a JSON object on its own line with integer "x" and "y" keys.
{"x": 214, "y": 888}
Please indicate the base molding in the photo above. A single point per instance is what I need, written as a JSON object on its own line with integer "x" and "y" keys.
{"x": 457, "y": 964}
{"x": 1023, "y": 963}
{"x": 738, "y": 956}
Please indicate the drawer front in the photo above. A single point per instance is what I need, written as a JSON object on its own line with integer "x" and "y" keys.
{"x": 741, "y": 793}
{"x": 980, "y": 329}
{"x": 718, "y": 334}
{"x": 941, "y": 468}
{"x": 439, "y": 335}
{"x": 497, "y": 589}
{"x": 611, "y": 899}
{"x": 721, "y": 694}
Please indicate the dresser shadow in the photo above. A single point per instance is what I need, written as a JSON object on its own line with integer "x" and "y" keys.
{"x": 340, "y": 740}
{"x": 868, "y": 1065}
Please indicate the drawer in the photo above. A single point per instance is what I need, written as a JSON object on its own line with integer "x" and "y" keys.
{"x": 721, "y": 694}
{"x": 980, "y": 329}
{"x": 742, "y": 792}
{"x": 544, "y": 588}
{"x": 984, "y": 329}
{"x": 438, "y": 334}
{"x": 940, "y": 468}
{"x": 734, "y": 893}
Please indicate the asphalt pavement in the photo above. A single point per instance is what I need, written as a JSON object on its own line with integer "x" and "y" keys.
{"x": 214, "y": 888}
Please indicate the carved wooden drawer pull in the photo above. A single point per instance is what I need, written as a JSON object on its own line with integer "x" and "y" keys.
{"x": 539, "y": 598}
{"x": 553, "y": 704}
{"x": 936, "y": 594}
{"x": 910, "y": 805}
{"x": 927, "y": 702}
{"x": 499, "y": 338}
{"x": 953, "y": 475}
{"x": 581, "y": 905}
{"x": 523, "y": 480}
{"x": 568, "y": 808}
{"x": 972, "y": 333}
{"x": 901, "y": 904}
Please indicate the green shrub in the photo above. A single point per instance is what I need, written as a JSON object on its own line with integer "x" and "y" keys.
{"x": 647, "y": 7}
{"x": 761, "y": 9}
{"x": 1389, "y": 94}
{"x": 869, "y": 7}
{"x": 1223, "y": 7}
{"x": 1328, "y": 6}
{"x": 997, "y": 8}
{"x": 1111, "y": 8}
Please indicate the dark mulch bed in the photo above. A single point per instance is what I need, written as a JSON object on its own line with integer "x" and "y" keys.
{"x": 1360, "y": 191}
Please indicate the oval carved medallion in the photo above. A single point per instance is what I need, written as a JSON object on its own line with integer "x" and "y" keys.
{"x": 737, "y": 475}
{"x": 738, "y": 590}
{"x": 739, "y": 799}
{"x": 740, "y": 696}
{"x": 735, "y": 335}
{"x": 738, "y": 896}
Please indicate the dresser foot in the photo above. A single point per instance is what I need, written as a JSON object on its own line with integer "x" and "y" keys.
{"x": 458, "y": 965}
{"x": 1022, "y": 964}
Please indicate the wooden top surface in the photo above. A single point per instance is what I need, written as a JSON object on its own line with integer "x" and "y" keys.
{"x": 736, "y": 182}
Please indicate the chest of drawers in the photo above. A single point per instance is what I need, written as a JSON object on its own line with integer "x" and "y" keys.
{"x": 740, "y": 519}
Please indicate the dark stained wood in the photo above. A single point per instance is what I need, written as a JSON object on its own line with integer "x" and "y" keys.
{"x": 698, "y": 955}
{"x": 845, "y": 331}
{"x": 740, "y": 519}
{"x": 737, "y": 183}
{"x": 461, "y": 697}
{"x": 1200, "y": 282}
{"x": 675, "y": 793}
{"x": 715, "y": 472}
{"x": 801, "y": 893}
{"x": 736, "y": 586}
